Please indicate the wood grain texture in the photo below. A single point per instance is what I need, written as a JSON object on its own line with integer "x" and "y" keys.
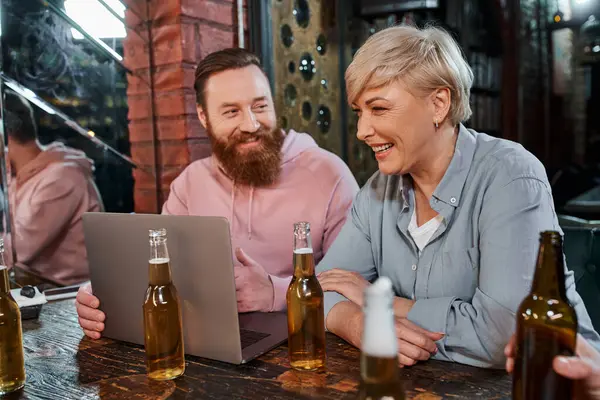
{"x": 62, "y": 364}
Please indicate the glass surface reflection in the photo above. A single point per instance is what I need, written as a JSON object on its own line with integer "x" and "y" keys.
{"x": 67, "y": 153}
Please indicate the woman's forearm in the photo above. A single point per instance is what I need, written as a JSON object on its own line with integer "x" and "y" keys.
{"x": 402, "y": 306}
{"x": 346, "y": 321}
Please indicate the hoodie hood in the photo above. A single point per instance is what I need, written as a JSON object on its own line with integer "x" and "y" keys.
{"x": 294, "y": 145}
{"x": 56, "y": 152}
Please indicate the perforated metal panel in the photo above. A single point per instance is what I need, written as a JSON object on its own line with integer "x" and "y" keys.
{"x": 306, "y": 64}
{"x": 308, "y": 79}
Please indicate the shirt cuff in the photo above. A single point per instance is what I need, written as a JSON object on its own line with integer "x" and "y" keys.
{"x": 432, "y": 314}
{"x": 280, "y": 287}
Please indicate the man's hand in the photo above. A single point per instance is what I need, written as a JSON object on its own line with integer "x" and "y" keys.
{"x": 91, "y": 319}
{"x": 253, "y": 285}
{"x": 584, "y": 369}
{"x": 414, "y": 343}
{"x": 351, "y": 285}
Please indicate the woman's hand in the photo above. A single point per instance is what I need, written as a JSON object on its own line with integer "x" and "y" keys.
{"x": 349, "y": 284}
{"x": 414, "y": 343}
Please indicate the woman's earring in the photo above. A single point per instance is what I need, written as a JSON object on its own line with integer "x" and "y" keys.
{"x": 436, "y": 124}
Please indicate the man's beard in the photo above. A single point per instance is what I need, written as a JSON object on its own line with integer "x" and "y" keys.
{"x": 259, "y": 166}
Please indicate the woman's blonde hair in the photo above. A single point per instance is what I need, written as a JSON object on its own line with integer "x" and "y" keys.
{"x": 425, "y": 59}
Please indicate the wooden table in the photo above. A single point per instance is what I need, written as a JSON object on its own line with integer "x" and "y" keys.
{"x": 62, "y": 364}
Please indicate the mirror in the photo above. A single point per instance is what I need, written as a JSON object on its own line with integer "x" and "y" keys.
{"x": 65, "y": 140}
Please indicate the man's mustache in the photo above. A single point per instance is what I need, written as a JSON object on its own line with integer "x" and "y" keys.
{"x": 241, "y": 138}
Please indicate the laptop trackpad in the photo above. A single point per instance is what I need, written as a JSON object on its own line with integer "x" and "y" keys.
{"x": 248, "y": 337}
{"x": 274, "y": 323}
{"x": 263, "y": 322}
{"x": 261, "y": 332}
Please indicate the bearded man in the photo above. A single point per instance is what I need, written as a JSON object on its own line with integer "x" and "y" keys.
{"x": 259, "y": 177}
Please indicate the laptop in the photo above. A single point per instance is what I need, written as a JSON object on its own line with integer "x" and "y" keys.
{"x": 202, "y": 269}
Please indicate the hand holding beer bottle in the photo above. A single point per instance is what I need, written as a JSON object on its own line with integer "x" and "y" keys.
{"x": 12, "y": 364}
{"x": 379, "y": 349}
{"x": 546, "y": 328}
{"x": 163, "y": 333}
{"x": 306, "y": 316}
{"x": 583, "y": 369}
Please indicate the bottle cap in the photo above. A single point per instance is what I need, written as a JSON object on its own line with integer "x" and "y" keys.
{"x": 381, "y": 287}
{"x": 155, "y": 233}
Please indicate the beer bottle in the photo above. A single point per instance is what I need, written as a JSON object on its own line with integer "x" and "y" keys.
{"x": 12, "y": 362}
{"x": 306, "y": 321}
{"x": 546, "y": 328}
{"x": 163, "y": 333}
{"x": 379, "y": 353}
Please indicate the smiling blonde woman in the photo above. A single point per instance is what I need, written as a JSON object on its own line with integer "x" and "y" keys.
{"x": 452, "y": 217}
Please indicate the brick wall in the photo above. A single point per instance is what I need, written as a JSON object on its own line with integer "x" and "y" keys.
{"x": 183, "y": 32}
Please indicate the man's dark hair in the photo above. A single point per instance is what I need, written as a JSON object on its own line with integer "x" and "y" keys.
{"x": 220, "y": 61}
{"x": 19, "y": 119}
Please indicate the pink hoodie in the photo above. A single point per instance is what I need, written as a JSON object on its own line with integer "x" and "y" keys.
{"x": 48, "y": 197}
{"x": 315, "y": 186}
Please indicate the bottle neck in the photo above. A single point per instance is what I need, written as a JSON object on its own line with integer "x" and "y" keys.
{"x": 303, "y": 242}
{"x": 4, "y": 280}
{"x": 159, "y": 272}
{"x": 304, "y": 262}
{"x": 158, "y": 249}
{"x": 159, "y": 268}
{"x": 549, "y": 277}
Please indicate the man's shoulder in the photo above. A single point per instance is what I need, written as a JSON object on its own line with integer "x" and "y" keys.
{"x": 324, "y": 163}
{"x": 57, "y": 180}
{"x": 196, "y": 170}
{"x": 61, "y": 173}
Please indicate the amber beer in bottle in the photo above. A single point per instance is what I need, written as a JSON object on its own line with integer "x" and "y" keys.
{"x": 12, "y": 362}
{"x": 163, "y": 333}
{"x": 546, "y": 328}
{"x": 379, "y": 353}
{"x": 306, "y": 321}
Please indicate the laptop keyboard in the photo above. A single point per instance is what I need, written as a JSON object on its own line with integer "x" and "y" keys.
{"x": 249, "y": 337}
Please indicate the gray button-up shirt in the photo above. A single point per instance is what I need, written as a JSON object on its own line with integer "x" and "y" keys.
{"x": 478, "y": 266}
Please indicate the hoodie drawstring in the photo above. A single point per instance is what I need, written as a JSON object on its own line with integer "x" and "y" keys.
{"x": 250, "y": 213}
{"x": 249, "y": 230}
{"x": 232, "y": 207}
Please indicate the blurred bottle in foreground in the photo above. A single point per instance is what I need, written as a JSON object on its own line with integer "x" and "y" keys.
{"x": 379, "y": 354}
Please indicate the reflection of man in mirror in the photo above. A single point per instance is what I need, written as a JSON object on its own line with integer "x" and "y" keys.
{"x": 49, "y": 190}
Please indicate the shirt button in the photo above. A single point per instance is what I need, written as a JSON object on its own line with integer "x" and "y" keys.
{"x": 414, "y": 267}
{"x": 453, "y": 200}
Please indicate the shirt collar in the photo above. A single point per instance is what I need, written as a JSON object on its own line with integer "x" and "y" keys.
{"x": 405, "y": 187}
{"x": 450, "y": 188}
